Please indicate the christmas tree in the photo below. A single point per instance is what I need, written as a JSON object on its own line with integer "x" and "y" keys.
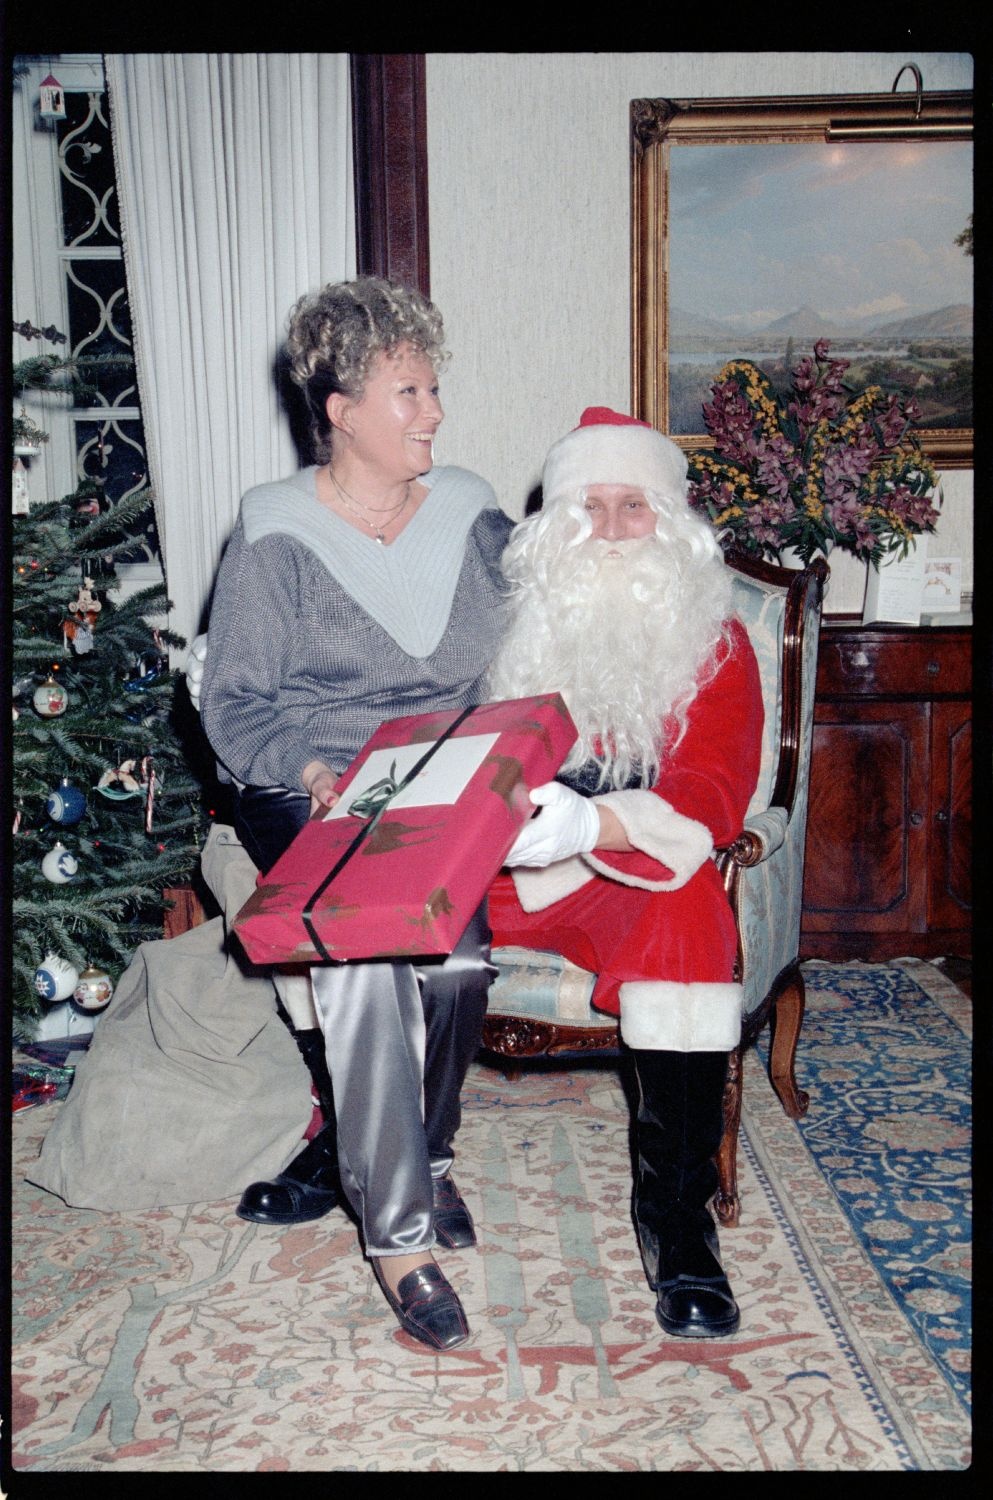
{"x": 108, "y": 813}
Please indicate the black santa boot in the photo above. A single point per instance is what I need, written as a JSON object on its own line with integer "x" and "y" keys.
{"x": 679, "y": 1128}
{"x": 309, "y": 1187}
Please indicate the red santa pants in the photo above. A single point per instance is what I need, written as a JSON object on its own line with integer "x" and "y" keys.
{"x": 623, "y": 934}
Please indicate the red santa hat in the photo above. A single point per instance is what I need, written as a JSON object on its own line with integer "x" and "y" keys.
{"x": 610, "y": 448}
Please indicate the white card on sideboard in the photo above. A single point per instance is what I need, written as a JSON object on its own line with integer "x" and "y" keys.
{"x": 894, "y": 591}
{"x": 942, "y": 586}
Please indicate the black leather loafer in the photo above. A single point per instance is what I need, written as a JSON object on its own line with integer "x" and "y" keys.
{"x": 691, "y": 1307}
{"x": 427, "y": 1307}
{"x": 307, "y": 1189}
{"x": 453, "y": 1224}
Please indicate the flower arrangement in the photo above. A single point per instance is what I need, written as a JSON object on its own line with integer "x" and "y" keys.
{"x": 823, "y": 468}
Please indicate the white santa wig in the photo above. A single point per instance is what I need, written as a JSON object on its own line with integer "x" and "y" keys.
{"x": 628, "y": 648}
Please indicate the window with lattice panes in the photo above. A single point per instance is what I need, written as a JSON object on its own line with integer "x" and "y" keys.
{"x": 69, "y": 280}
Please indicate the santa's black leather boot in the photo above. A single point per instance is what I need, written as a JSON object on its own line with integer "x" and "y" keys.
{"x": 679, "y": 1127}
{"x": 309, "y": 1187}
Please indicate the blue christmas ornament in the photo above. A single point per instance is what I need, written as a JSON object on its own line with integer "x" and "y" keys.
{"x": 66, "y": 803}
{"x": 148, "y": 671}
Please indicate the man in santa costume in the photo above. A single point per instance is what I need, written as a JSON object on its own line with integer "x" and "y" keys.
{"x": 623, "y": 604}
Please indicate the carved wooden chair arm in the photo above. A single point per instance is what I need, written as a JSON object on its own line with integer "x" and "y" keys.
{"x": 761, "y": 836}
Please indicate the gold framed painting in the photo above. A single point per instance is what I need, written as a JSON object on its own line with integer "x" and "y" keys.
{"x": 761, "y": 226}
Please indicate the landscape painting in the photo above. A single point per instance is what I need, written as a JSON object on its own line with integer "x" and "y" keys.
{"x": 757, "y": 236}
{"x": 772, "y": 247}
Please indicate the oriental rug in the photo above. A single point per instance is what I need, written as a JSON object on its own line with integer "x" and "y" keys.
{"x": 184, "y": 1340}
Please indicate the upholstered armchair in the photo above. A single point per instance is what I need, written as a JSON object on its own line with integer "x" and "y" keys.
{"x": 540, "y": 1004}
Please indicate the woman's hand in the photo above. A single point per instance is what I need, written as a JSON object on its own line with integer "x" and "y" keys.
{"x": 319, "y": 781}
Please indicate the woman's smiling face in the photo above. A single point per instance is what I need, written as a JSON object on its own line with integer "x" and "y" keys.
{"x": 392, "y": 426}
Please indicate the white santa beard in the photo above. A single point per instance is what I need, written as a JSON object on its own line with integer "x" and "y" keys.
{"x": 623, "y": 639}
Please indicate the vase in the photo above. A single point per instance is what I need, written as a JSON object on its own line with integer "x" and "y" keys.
{"x": 789, "y": 557}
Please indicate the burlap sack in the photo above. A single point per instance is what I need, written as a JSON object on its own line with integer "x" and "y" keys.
{"x": 192, "y": 1086}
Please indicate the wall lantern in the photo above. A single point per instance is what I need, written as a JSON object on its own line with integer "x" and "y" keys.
{"x": 924, "y": 124}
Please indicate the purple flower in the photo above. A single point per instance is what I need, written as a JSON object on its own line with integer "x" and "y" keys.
{"x": 892, "y": 423}
{"x": 813, "y": 439}
{"x": 845, "y": 468}
{"x": 804, "y": 375}
{"x": 836, "y": 367}
{"x": 729, "y": 418}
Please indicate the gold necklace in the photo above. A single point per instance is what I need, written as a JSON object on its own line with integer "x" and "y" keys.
{"x": 358, "y": 508}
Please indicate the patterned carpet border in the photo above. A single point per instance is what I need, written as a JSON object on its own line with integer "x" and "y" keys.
{"x": 857, "y": 1363}
{"x": 886, "y": 1055}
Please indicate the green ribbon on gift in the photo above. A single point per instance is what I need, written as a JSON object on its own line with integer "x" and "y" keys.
{"x": 378, "y": 796}
{"x": 385, "y": 791}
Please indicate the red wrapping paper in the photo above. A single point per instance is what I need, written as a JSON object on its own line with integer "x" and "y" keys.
{"x": 407, "y": 882}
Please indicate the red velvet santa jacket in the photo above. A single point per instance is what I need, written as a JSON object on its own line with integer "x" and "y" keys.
{"x": 697, "y": 804}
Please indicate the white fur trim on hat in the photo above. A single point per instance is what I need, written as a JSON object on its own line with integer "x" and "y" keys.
{"x": 608, "y": 453}
{"x": 661, "y": 1016}
{"x": 655, "y": 827}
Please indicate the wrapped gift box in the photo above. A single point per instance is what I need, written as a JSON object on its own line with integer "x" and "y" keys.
{"x": 428, "y": 811}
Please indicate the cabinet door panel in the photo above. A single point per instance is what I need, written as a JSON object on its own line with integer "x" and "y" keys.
{"x": 951, "y": 815}
{"x": 866, "y": 847}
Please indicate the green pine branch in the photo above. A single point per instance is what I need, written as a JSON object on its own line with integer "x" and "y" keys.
{"x": 64, "y": 375}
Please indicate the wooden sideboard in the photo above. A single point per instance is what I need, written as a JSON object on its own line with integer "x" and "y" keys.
{"x": 889, "y": 846}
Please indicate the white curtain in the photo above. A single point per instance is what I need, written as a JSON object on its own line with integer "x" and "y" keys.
{"x": 234, "y": 177}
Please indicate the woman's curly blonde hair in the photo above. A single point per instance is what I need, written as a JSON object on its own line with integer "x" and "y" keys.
{"x": 335, "y": 334}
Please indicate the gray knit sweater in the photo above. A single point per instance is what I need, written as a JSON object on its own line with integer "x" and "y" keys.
{"x": 318, "y": 634}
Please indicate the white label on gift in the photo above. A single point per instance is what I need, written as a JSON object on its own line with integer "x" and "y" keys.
{"x": 440, "y": 783}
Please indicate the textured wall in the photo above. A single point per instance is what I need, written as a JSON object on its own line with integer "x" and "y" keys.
{"x": 529, "y": 221}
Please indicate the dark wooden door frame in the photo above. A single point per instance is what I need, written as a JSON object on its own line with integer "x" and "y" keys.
{"x": 389, "y": 129}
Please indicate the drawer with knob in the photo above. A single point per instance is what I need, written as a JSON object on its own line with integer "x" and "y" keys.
{"x": 901, "y": 663}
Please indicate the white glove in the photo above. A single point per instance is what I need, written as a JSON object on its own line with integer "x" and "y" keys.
{"x": 567, "y": 824}
{"x": 194, "y": 669}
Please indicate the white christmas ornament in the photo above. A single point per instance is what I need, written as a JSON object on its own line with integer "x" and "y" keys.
{"x": 50, "y": 699}
{"x": 59, "y": 865}
{"x": 94, "y": 989}
{"x": 55, "y": 978}
{"x": 20, "y": 499}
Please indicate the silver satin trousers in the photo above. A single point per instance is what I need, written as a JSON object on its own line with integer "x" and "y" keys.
{"x": 399, "y": 1039}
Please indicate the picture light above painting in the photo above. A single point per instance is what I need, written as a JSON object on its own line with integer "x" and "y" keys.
{"x": 763, "y": 226}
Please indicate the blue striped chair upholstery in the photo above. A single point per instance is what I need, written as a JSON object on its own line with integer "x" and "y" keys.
{"x": 540, "y": 1004}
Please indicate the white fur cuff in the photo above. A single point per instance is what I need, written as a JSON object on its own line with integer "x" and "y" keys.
{"x": 661, "y": 1016}
{"x": 658, "y": 830}
{"x": 537, "y": 889}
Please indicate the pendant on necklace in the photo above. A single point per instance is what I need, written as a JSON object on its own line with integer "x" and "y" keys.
{"x": 380, "y": 539}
